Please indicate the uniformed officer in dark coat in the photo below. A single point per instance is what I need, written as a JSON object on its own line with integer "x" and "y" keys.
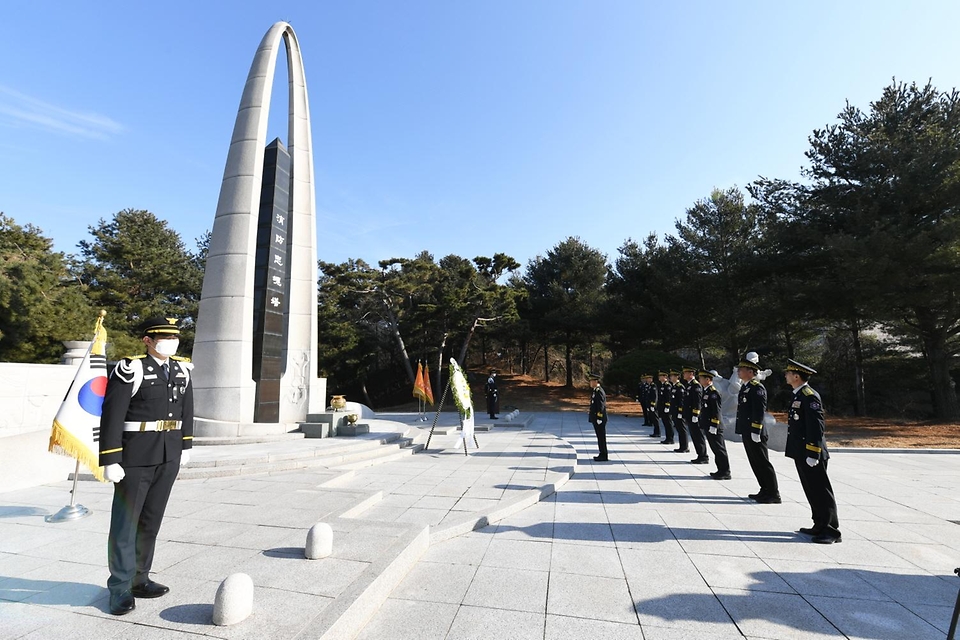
{"x": 650, "y": 405}
{"x": 709, "y": 421}
{"x": 598, "y": 415}
{"x": 692, "y": 398}
{"x": 642, "y": 399}
{"x": 679, "y": 390}
{"x": 665, "y": 391}
{"x": 146, "y": 432}
{"x": 493, "y": 395}
{"x": 808, "y": 448}
{"x": 752, "y": 404}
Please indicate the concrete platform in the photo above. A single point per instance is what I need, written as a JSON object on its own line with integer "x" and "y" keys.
{"x": 502, "y": 543}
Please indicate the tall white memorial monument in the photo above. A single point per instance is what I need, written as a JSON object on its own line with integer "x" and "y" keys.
{"x": 256, "y": 345}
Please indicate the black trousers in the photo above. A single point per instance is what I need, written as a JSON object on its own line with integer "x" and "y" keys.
{"x": 759, "y": 458}
{"x": 681, "y": 429}
{"x": 646, "y": 414}
{"x": 493, "y": 405}
{"x": 600, "y": 428}
{"x": 139, "y": 501}
{"x": 819, "y": 492}
{"x": 699, "y": 441}
{"x": 719, "y": 447}
{"x": 667, "y": 426}
{"x": 654, "y": 421}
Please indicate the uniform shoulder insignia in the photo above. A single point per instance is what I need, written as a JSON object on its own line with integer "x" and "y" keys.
{"x": 807, "y": 391}
{"x": 754, "y": 382}
{"x": 142, "y": 355}
{"x": 180, "y": 358}
{"x": 128, "y": 368}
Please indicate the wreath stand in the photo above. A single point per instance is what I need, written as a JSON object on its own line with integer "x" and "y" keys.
{"x": 436, "y": 417}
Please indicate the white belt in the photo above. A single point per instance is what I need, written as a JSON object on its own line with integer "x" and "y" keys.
{"x": 152, "y": 425}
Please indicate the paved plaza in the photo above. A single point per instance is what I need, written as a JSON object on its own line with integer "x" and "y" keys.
{"x": 645, "y": 546}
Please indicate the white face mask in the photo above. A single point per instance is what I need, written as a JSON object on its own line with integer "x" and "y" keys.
{"x": 167, "y": 347}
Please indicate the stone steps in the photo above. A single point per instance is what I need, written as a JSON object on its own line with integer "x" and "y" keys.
{"x": 351, "y": 453}
{"x": 257, "y": 439}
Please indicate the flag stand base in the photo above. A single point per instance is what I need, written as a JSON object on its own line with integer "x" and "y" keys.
{"x": 68, "y": 513}
{"x": 72, "y": 511}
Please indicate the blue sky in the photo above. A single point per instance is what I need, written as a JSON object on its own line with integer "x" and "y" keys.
{"x": 452, "y": 127}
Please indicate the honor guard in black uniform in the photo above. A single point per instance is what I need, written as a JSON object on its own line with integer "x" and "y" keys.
{"x": 679, "y": 390}
{"x": 692, "y": 397}
{"x": 709, "y": 421}
{"x": 641, "y": 399}
{"x": 665, "y": 391}
{"x": 493, "y": 396}
{"x": 651, "y": 406}
{"x": 808, "y": 448}
{"x": 598, "y": 415}
{"x": 146, "y": 431}
{"x": 751, "y": 405}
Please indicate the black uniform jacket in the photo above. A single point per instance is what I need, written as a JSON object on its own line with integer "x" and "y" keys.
{"x": 652, "y": 395}
{"x": 710, "y": 409}
{"x": 752, "y": 405}
{"x": 598, "y": 406}
{"x": 156, "y": 399}
{"x": 664, "y": 394}
{"x": 679, "y": 390}
{"x": 692, "y": 400}
{"x": 805, "y": 426}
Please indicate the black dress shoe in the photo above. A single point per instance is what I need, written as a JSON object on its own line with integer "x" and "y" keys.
{"x": 721, "y": 476}
{"x": 761, "y": 499}
{"x": 700, "y": 461}
{"x": 812, "y": 531}
{"x": 755, "y": 496}
{"x": 826, "y": 538}
{"x": 600, "y": 458}
{"x": 121, "y": 602}
{"x": 666, "y": 442}
{"x": 653, "y": 435}
{"x": 149, "y": 590}
{"x": 681, "y": 450}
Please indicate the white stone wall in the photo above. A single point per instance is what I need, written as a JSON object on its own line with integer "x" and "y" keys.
{"x": 30, "y": 395}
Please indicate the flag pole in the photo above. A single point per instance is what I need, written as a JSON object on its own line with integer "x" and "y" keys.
{"x": 72, "y": 511}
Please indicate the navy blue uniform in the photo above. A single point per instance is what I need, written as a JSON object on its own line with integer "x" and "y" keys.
{"x": 692, "y": 400}
{"x": 598, "y": 418}
{"x": 752, "y": 404}
{"x": 150, "y": 457}
{"x": 805, "y": 439}
{"x": 710, "y": 418}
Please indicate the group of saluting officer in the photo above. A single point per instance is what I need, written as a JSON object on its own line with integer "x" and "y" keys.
{"x": 686, "y": 402}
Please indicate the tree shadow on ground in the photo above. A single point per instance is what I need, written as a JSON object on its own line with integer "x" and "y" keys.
{"x": 861, "y": 603}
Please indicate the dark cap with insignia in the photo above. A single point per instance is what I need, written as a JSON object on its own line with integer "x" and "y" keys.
{"x": 661, "y": 373}
{"x": 689, "y": 369}
{"x": 703, "y": 373}
{"x": 747, "y": 364}
{"x": 674, "y": 372}
{"x": 646, "y": 376}
{"x": 793, "y": 365}
{"x": 593, "y": 376}
{"x": 159, "y": 326}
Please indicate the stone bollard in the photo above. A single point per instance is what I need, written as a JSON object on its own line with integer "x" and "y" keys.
{"x": 234, "y": 601}
{"x": 319, "y": 541}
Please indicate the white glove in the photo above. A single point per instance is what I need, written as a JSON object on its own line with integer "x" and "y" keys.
{"x": 812, "y": 462}
{"x": 696, "y": 419}
{"x": 184, "y": 457}
{"x": 713, "y": 431}
{"x": 755, "y": 436}
{"x": 114, "y": 473}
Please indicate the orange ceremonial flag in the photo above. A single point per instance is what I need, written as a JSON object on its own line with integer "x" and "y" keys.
{"x": 426, "y": 383}
{"x": 418, "y": 389}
